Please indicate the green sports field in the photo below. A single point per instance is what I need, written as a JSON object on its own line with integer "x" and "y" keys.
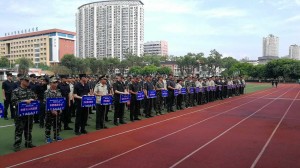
{"x": 7, "y": 127}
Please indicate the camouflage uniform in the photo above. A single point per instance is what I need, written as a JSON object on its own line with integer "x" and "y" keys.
{"x": 159, "y": 99}
{"x": 52, "y": 120}
{"x": 24, "y": 123}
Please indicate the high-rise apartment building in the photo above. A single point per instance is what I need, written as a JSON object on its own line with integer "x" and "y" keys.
{"x": 271, "y": 46}
{"x": 47, "y": 46}
{"x": 294, "y": 52}
{"x": 110, "y": 29}
{"x": 156, "y": 48}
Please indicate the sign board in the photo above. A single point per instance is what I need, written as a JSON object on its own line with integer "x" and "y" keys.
{"x": 54, "y": 104}
{"x": 25, "y": 109}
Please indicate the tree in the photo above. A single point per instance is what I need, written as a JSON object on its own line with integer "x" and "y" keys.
{"x": 70, "y": 61}
{"x": 228, "y": 62}
{"x": 214, "y": 61}
{"x": 24, "y": 65}
{"x": 44, "y": 67}
{"x": 149, "y": 70}
{"x": 59, "y": 69}
{"x": 4, "y": 62}
{"x": 124, "y": 64}
{"x": 135, "y": 70}
{"x": 164, "y": 70}
{"x": 152, "y": 59}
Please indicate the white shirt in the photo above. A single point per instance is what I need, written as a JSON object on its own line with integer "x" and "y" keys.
{"x": 100, "y": 89}
{"x": 198, "y": 84}
{"x": 165, "y": 84}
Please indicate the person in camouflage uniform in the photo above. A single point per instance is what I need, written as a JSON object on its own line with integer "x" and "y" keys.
{"x": 52, "y": 117}
{"x": 159, "y": 100}
{"x": 24, "y": 123}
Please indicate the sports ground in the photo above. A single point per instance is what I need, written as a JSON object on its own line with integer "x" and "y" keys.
{"x": 258, "y": 129}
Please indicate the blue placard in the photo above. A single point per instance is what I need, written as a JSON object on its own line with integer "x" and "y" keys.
{"x": 152, "y": 94}
{"x": 88, "y": 101}
{"x": 106, "y": 100}
{"x": 233, "y": 86}
{"x": 208, "y": 88}
{"x": 164, "y": 93}
{"x": 192, "y": 91}
{"x": 213, "y": 88}
{"x": 203, "y": 90}
{"x": 124, "y": 98}
{"x": 229, "y": 86}
{"x": 183, "y": 91}
{"x": 176, "y": 92}
{"x": 140, "y": 95}
{"x": 197, "y": 89}
{"x": 220, "y": 88}
{"x": 58, "y": 103}
{"x": 25, "y": 109}
{"x": 1, "y": 110}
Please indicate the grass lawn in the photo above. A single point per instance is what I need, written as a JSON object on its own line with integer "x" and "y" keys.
{"x": 7, "y": 132}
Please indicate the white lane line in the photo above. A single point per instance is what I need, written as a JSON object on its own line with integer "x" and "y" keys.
{"x": 270, "y": 98}
{"x": 4, "y": 126}
{"x": 138, "y": 147}
{"x": 223, "y": 133}
{"x": 272, "y": 135}
{"x": 132, "y": 130}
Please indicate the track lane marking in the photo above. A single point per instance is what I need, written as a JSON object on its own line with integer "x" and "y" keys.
{"x": 223, "y": 133}
{"x": 272, "y": 135}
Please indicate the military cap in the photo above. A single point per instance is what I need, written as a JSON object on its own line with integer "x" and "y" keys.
{"x": 25, "y": 77}
{"x": 102, "y": 77}
{"x": 82, "y": 75}
{"x": 32, "y": 76}
{"x": 9, "y": 74}
{"x": 53, "y": 79}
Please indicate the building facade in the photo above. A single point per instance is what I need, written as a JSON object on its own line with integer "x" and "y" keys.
{"x": 156, "y": 48}
{"x": 46, "y": 47}
{"x": 110, "y": 29}
{"x": 294, "y": 52}
{"x": 271, "y": 46}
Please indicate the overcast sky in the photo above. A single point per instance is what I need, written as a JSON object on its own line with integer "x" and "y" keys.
{"x": 232, "y": 27}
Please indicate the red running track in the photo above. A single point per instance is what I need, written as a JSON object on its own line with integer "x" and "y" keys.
{"x": 249, "y": 130}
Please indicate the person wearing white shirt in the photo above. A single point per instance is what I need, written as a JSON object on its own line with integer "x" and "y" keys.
{"x": 100, "y": 90}
{"x": 180, "y": 96}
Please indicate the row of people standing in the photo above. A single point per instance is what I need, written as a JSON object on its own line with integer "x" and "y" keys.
{"x": 72, "y": 89}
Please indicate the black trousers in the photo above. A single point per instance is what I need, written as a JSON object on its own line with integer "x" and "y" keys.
{"x": 42, "y": 113}
{"x": 134, "y": 108}
{"x": 119, "y": 111}
{"x": 8, "y": 103}
{"x": 170, "y": 100}
{"x": 179, "y": 101}
{"x": 100, "y": 115}
{"x": 81, "y": 118}
{"x": 148, "y": 106}
{"x": 66, "y": 115}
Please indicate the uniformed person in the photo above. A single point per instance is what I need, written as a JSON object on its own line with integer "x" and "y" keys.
{"x": 100, "y": 90}
{"x": 7, "y": 87}
{"x": 23, "y": 124}
{"x": 148, "y": 86}
{"x": 52, "y": 117}
{"x": 180, "y": 96}
{"x": 119, "y": 88}
{"x": 64, "y": 88}
{"x": 159, "y": 100}
{"x": 40, "y": 89}
{"x": 171, "y": 88}
{"x": 81, "y": 89}
{"x": 135, "y": 105}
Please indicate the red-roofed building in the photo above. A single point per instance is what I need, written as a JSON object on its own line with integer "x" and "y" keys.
{"x": 47, "y": 46}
